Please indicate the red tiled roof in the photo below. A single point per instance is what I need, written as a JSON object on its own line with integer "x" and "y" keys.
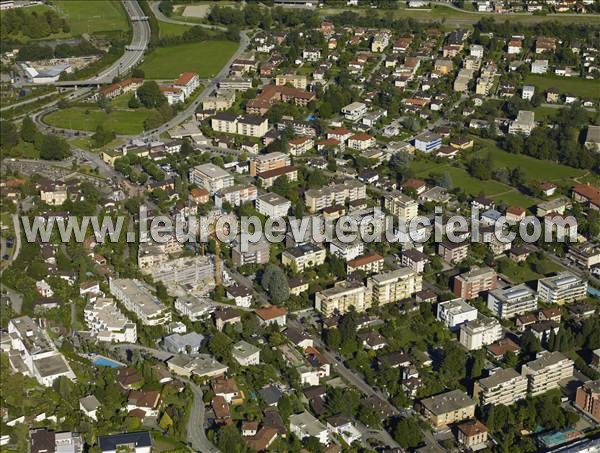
{"x": 365, "y": 259}
{"x": 185, "y": 78}
{"x": 271, "y": 312}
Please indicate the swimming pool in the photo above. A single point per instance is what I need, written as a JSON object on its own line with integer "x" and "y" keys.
{"x": 103, "y": 361}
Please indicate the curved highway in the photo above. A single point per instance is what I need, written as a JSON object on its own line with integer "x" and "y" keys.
{"x": 133, "y": 52}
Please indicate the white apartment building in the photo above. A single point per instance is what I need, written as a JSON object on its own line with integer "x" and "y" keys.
{"x": 480, "y": 332}
{"x": 304, "y": 256}
{"x": 211, "y": 177}
{"x": 347, "y": 250}
{"x": 185, "y": 271}
{"x": 137, "y": 298}
{"x": 354, "y": 111}
{"x": 273, "y": 205}
{"x": 187, "y": 82}
{"x": 193, "y": 307}
{"x": 33, "y": 353}
{"x": 341, "y": 297}
{"x": 245, "y": 353}
{"x": 236, "y": 195}
{"x": 249, "y": 125}
{"x": 401, "y": 205}
{"x": 504, "y": 386}
{"x": 107, "y": 323}
{"x": 271, "y": 161}
{"x": 337, "y": 194}
{"x": 524, "y": 123}
{"x": 393, "y": 286}
{"x": 562, "y": 288}
{"x": 545, "y": 372}
{"x": 509, "y": 302}
{"x": 306, "y": 425}
{"x": 455, "y": 312}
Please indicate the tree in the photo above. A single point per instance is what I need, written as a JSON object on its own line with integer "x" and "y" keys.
{"x": 408, "y": 433}
{"x": 134, "y": 103}
{"x": 150, "y": 95}
{"x": 102, "y": 136}
{"x": 29, "y": 130}
{"x": 220, "y": 345}
{"x": 275, "y": 283}
{"x": 529, "y": 343}
{"x": 54, "y": 148}
{"x": 230, "y": 439}
{"x": 138, "y": 73}
{"x": 8, "y": 134}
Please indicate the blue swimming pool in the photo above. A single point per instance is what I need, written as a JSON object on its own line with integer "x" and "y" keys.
{"x": 593, "y": 291}
{"x": 103, "y": 361}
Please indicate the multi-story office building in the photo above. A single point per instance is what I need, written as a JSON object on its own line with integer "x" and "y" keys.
{"x": 480, "y": 332}
{"x": 509, "y": 302}
{"x": 304, "y": 256}
{"x": 545, "y": 372}
{"x": 107, "y": 323}
{"x": 504, "y": 386}
{"x": 211, "y": 177}
{"x": 266, "y": 162}
{"x": 393, "y": 286}
{"x": 337, "y": 194}
{"x": 447, "y": 408}
{"x": 470, "y": 284}
{"x": 562, "y": 288}
{"x": 455, "y": 312}
{"x": 587, "y": 398}
{"x": 33, "y": 353}
{"x": 341, "y": 297}
{"x": 137, "y": 298}
{"x": 401, "y": 205}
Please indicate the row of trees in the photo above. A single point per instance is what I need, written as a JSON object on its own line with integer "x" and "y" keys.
{"x": 33, "y": 52}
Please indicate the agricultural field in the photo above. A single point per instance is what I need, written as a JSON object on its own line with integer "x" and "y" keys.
{"x": 566, "y": 85}
{"x": 205, "y": 58}
{"x": 93, "y": 16}
{"x": 125, "y": 122}
{"x": 167, "y": 29}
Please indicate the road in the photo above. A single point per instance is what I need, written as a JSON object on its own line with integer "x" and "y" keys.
{"x": 195, "y": 426}
{"x": 27, "y": 101}
{"x": 132, "y": 55}
{"x": 161, "y": 17}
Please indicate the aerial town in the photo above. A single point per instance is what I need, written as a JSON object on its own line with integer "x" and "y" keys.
{"x": 313, "y": 226}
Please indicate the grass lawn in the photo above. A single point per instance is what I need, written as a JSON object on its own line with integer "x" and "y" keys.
{"x": 566, "y": 85}
{"x": 534, "y": 169}
{"x": 125, "y": 122}
{"x": 89, "y": 16}
{"x": 206, "y": 58}
{"x": 167, "y": 29}
{"x": 522, "y": 272}
{"x": 454, "y": 17}
{"x": 473, "y": 186}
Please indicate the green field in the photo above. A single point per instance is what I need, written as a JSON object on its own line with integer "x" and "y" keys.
{"x": 534, "y": 169}
{"x": 566, "y": 85}
{"x": 473, "y": 186}
{"x": 205, "y": 58}
{"x": 90, "y": 16}
{"x": 453, "y": 16}
{"x": 125, "y": 122}
{"x": 166, "y": 29}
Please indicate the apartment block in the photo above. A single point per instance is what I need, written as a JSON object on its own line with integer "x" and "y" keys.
{"x": 586, "y": 255}
{"x": 195, "y": 308}
{"x": 249, "y": 125}
{"x": 453, "y": 252}
{"x": 266, "y": 162}
{"x": 401, "y": 205}
{"x": 523, "y": 124}
{"x": 393, "y": 286}
{"x": 545, "y": 372}
{"x": 304, "y": 256}
{"x": 273, "y": 205}
{"x": 255, "y": 253}
{"x": 107, "y": 323}
{"x": 188, "y": 271}
{"x": 337, "y": 194}
{"x": 298, "y": 81}
{"x": 455, "y": 312}
{"x": 504, "y": 386}
{"x": 236, "y": 195}
{"x": 480, "y": 332}
{"x": 562, "y": 288}
{"x": 509, "y": 302}
{"x": 587, "y": 398}
{"x": 371, "y": 263}
{"x": 269, "y": 177}
{"x": 137, "y": 298}
{"x": 211, "y": 177}
{"x": 447, "y": 408}
{"x": 341, "y": 297}
{"x": 33, "y": 353}
{"x": 470, "y": 284}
